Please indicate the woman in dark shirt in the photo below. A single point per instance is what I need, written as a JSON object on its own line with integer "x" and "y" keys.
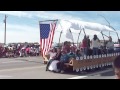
{"x": 58, "y": 55}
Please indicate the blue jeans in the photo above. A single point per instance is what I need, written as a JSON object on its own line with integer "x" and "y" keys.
{"x": 95, "y": 51}
{"x": 110, "y": 51}
{"x": 85, "y": 50}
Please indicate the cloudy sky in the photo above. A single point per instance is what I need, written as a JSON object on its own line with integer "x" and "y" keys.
{"x": 23, "y": 26}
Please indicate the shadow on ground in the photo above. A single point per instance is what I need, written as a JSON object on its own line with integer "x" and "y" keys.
{"x": 110, "y": 73}
{"x": 87, "y": 72}
{"x": 41, "y": 62}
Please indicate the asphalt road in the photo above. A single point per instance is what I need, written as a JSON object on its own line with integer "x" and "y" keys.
{"x": 33, "y": 68}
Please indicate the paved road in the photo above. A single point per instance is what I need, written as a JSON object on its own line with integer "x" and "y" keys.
{"x": 6, "y": 63}
{"x": 33, "y": 68}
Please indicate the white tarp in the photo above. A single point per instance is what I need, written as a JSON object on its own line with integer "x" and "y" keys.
{"x": 69, "y": 35}
{"x": 78, "y": 25}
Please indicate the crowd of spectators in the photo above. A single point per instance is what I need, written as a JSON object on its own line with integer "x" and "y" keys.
{"x": 19, "y": 50}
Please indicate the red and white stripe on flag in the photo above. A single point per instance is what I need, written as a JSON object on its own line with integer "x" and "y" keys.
{"x": 47, "y": 43}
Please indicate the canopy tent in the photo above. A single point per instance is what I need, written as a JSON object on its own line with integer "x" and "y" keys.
{"x": 78, "y": 25}
{"x": 75, "y": 28}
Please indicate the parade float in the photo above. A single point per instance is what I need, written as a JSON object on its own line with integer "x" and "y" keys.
{"x": 90, "y": 61}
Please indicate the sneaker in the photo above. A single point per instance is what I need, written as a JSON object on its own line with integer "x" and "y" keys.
{"x": 46, "y": 69}
{"x": 58, "y": 71}
{"x": 62, "y": 71}
{"x": 53, "y": 71}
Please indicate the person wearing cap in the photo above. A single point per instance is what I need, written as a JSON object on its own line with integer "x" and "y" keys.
{"x": 116, "y": 65}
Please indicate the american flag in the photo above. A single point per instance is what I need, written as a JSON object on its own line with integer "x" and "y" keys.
{"x": 46, "y": 36}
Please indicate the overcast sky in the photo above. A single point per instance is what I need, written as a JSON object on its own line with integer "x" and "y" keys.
{"x": 23, "y": 26}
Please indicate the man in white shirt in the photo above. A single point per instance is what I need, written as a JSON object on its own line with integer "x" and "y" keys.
{"x": 95, "y": 45}
{"x": 110, "y": 46}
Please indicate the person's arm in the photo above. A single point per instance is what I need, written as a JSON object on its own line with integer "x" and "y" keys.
{"x": 54, "y": 57}
{"x": 112, "y": 44}
{"x": 99, "y": 40}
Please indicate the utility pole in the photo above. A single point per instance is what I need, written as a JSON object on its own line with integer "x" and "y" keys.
{"x": 5, "y": 30}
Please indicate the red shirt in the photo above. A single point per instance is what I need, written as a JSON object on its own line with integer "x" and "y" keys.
{"x": 84, "y": 43}
{"x": 27, "y": 49}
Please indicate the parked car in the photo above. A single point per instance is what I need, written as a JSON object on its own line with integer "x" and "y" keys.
{"x": 117, "y": 47}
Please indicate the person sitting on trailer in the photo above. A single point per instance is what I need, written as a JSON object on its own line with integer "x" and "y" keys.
{"x": 66, "y": 46}
{"x": 78, "y": 54}
{"x": 63, "y": 59}
{"x": 73, "y": 46}
{"x": 58, "y": 54}
{"x": 52, "y": 54}
{"x": 53, "y": 66}
{"x": 72, "y": 52}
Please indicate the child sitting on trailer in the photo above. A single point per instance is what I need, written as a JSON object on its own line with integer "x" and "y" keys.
{"x": 65, "y": 58}
{"x": 52, "y": 54}
{"x": 55, "y": 62}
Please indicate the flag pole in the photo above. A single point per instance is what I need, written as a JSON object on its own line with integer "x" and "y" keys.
{"x": 60, "y": 33}
{"x": 49, "y": 20}
{"x": 39, "y": 30}
{"x": 60, "y": 37}
{"x": 40, "y": 43}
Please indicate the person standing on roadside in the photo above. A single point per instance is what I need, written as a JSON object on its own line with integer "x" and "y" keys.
{"x": 116, "y": 65}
